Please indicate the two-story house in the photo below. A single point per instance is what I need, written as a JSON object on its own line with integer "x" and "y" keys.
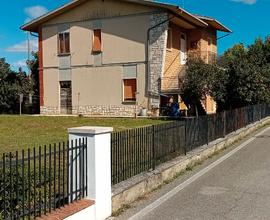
{"x": 111, "y": 57}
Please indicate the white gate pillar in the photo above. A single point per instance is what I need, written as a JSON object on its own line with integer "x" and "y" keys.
{"x": 98, "y": 166}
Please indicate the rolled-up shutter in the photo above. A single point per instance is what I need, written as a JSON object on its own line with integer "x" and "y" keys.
{"x": 130, "y": 87}
{"x": 97, "y": 40}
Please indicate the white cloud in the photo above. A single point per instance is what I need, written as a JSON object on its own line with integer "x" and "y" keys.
{"x": 19, "y": 63}
{"x": 249, "y": 2}
{"x": 34, "y": 12}
{"x": 22, "y": 47}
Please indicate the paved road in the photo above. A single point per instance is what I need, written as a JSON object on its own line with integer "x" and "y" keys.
{"x": 237, "y": 188}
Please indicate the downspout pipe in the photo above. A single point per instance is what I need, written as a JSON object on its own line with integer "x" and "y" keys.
{"x": 148, "y": 54}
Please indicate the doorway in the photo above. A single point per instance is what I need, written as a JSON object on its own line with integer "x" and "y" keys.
{"x": 183, "y": 48}
{"x": 65, "y": 97}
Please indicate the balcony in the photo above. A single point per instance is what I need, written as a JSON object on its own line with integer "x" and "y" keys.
{"x": 207, "y": 56}
{"x": 171, "y": 84}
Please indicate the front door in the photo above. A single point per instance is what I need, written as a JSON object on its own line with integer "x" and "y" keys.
{"x": 183, "y": 47}
{"x": 66, "y": 97}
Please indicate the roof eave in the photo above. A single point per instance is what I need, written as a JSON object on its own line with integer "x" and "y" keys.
{"x": 196, "y": 21}
{"x": 218, "y": 25}
{"x": 33, "y": 25}
{"x": 223, "y": 27}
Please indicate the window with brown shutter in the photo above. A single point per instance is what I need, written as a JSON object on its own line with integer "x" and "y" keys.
{"x": 130, "y": 88}
{"x": 64, "y": 43}
{"x": 97, "y": 40}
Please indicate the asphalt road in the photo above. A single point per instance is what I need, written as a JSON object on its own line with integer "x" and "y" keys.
{"x": 236, "y": 187}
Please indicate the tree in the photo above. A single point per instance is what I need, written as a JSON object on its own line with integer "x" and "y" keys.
{"x": 11, "y": 85}
{"x": 247, "y": 75}
{"x": 197, "y": 82}
{"x": 7, "y": 87}
{"x": 33, "y": 65}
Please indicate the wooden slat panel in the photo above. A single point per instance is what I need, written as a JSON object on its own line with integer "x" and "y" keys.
{"x": 64, "y": 43}
{"x": 67, "y": 45}
{"x": 130, "y": 89}
{"x": 97, "y": 40}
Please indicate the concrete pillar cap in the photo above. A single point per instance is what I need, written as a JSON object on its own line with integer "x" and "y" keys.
{"x": 90, "y": 130}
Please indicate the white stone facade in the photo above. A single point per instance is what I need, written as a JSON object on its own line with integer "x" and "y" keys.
{"x": 45, "y": 110}
{"x": 95, "y": 110}
{"x": 157, "y": 52}
{"x": 99, "y": 110}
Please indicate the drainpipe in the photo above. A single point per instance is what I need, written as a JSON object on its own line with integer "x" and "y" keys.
{"x": 147, "y": 53}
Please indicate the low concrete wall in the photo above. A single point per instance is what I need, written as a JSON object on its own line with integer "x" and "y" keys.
{"x": 129, "y": 191}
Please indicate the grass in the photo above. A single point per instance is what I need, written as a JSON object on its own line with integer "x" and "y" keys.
{"x": 18, "y": 132}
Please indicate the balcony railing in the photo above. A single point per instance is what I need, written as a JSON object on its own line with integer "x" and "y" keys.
{"x": 207, "y": 56}
{"x": 170, "y": 84}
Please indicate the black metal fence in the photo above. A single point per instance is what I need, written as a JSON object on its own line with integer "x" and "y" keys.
{"x": 142, "y": 149}
{"x": 39, "y": 180}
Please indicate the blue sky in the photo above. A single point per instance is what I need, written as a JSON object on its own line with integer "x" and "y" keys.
{"x": 247, "y": 18}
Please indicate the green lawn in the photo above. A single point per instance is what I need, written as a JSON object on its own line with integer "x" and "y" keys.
{"x": 17, "y": 132}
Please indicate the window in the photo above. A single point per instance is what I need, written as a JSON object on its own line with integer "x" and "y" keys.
{"x": 64, "y": 44}
{"x": 130, "y": 88}
{"x": 183, "y": 49}
{"x": 97, "y": 40}
{"x": 169, "y": 39}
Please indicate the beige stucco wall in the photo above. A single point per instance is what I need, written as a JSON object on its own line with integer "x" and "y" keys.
{"x": 120, "y": 42}
{"x": 141, "y": 85}
{"x": 100, "y": 86}
{"x": 50, "y": 45}
{"x": 124, "y": 39}
{"x": 51, "y": 88}
{"x": 97, "y": 86}
{"x": 103, "y": 85}
{"x": 99, "y": 9}
{"x": 81, "y": 43}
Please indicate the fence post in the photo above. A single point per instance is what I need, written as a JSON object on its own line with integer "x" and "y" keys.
{"x": 235, "y": 119}
{"x": 185, "y": 148}
{"x": 253, "y": 112}
{"x": 260, "y": 111}
{"x": 153, "y": 148}
{"x": 224, "y": 123}
{"x": 207, "y": 123}
{"x": 98, "y": 166}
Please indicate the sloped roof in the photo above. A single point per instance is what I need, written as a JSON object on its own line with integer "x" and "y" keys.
{"x": 194, "y": 19}
{"x": 214, "y": 23}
